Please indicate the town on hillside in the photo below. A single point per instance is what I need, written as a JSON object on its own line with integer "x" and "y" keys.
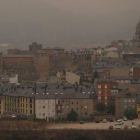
{"x": 85, "y": 84}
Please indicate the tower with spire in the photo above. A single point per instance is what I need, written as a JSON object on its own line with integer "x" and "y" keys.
{"x": 137, "y": 38}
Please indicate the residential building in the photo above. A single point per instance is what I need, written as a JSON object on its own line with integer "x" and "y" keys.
{"x": 125, "y": 100}
{"x": 74, "y": 76}
{"x": 51, "y": 79}
{"x": 106, "y": 90}
{"x": 61, "y": 75}
{"x": 120, "y": 80}
{"x": 45, "y": 108}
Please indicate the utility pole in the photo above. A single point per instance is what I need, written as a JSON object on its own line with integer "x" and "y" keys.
{"x": 34, "y": 99}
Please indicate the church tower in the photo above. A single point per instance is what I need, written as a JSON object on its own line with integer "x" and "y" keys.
{"x": 137, "y": 38}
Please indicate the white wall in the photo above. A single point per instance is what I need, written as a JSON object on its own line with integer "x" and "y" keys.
{"x": 72, "y": 78}
{"x": 14, "y": 79}
{"x": 49, "y": 109}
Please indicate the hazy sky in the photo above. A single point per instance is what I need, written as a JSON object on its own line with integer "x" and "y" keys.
{"x": 87, "y": 6}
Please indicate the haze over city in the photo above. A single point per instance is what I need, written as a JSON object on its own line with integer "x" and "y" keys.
{"x": 61, "y": 23}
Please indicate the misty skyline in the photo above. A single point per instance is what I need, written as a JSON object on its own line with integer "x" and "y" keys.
{"x": 59, "y": 22}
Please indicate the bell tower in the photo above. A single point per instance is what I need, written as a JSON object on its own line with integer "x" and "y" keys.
{"x": 137, "y": 38}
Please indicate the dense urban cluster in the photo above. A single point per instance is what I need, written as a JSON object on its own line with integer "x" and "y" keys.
{"x": 49, "y": 83}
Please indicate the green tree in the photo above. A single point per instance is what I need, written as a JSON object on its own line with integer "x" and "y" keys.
{"x": 111, "y": 107}
{"x": 81, "y": 81}
{"x": 92, "y": 117}
{"x": 131, "y": 112}
{"x": 100, "y": 106}
{"x": 72, "y": 116}
{"x": 95, "y": 76}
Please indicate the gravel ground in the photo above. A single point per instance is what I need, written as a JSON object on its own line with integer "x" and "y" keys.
{"x": 93, "y": 125}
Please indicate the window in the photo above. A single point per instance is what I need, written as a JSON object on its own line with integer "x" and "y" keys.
{"x": 30, "y": 105}
{"x": 30, "y": 100}
{"x": 99, "y": 98}
{"x": 105, "y": 92}
{"x": 30, "y": 111}
{"x": 105, "y": 97}
{"x": 43, "y": 106}
{"x": 125, "y": 100}
{"x": 43, "y": 114}
{"x": 58, "y": 101}
{"x": 77, "y": 102}
{"x": 85, "y": 113}
{"x": 62, "y": 106}
{"x": 85, "y": 106}
{"x": 26, "y": 105}
{"x": 105, "y": 86}
{"x": 99, "y": 86}
{"x": 81, "y": 106}
{"x": 77, "y": 108}
{"x": 133, "y": 100}
{"x": 125, "y": 106}
{"x": 21, "y": 104}
{"x": 99, "y": 92}
{"x": 129, "y": 100}
{"x": 0, "y": 101}
{"x": 72, "y": 103}
{"x": 21, "y": 110}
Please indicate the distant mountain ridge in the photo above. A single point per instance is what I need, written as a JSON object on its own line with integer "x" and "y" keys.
{"x": 26, "y": 21}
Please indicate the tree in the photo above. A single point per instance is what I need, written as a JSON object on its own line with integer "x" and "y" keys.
{"x": 81, "y": 81}
{"x": 72, "y": 116}
{"x": 100, "y": 106}
{"x": 131, "y": 112}
{"x": 92, "y": 117}
{"x": 95, "y": 76}
{"x": 111, "y": 107}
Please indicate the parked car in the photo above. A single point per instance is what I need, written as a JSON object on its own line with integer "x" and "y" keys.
{"x": 117, "y": 119}
{"x": 133, "y": 126}
{"x": 104, "y": 120}
{"x": 131, "y": 118}
{"x": 81, "y": 122}
{"x": 97, "y": 121}
{"x": 119, "y": 122}
{"x": 111, "y": 127}
{"x": 13, "y": 116}
{"x": 111, "y": 120}
{"x": 125, "y": 127}
{"x": 8, "y": 116}
{"x": 124, "y": 118}
{"x": 3, "y": 116}
{"x": 118, "y": 127}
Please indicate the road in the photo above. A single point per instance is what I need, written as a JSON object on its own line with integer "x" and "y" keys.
{"x": 93, "y": 125}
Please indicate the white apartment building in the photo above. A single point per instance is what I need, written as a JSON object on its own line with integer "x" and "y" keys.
{"x": 45, "y": 109}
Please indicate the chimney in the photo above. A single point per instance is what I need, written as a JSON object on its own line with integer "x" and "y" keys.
{"x": 81, "y": 89}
